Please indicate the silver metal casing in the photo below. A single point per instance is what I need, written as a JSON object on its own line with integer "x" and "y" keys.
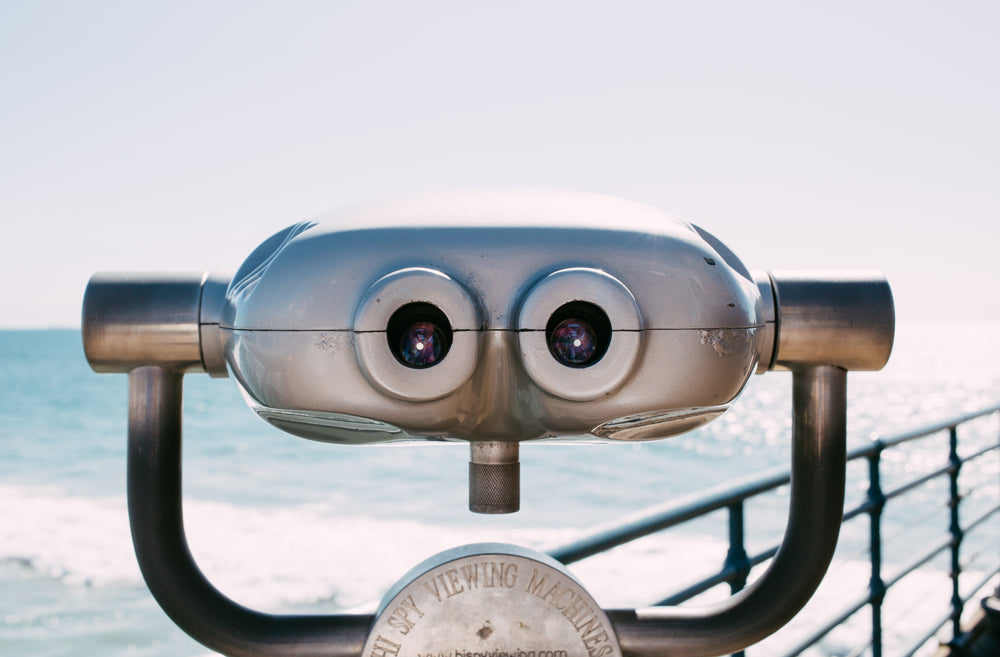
{"x": 304, "y": 324}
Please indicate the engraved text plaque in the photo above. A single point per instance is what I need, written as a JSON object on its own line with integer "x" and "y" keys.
{"x": 490, "y": 600}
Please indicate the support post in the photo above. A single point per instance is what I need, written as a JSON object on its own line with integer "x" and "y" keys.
{"x": 817, "y": 502}
{"x": 155, "y": 516}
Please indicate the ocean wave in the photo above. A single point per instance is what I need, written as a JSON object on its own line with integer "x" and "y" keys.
{"x": 83, "y": 541}
{"x": 299, "y": 556}
{"x": 270, "y": 558}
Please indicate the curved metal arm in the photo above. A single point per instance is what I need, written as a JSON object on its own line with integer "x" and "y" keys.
{"x": 155, "y": 515}
{"x": 817, "y": 503}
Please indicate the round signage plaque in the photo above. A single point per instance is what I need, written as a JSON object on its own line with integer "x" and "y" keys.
{"x": 490, "y": 600}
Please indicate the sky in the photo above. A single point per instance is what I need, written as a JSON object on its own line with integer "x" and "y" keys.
{"x": 179, "y": 135}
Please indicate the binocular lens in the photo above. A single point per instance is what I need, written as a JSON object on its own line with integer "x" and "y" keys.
{"x": 422, "y": 345}
{"x": 419, "y": 335}
{"x": 578, "y": 334}
{"x": 573, "y": 342}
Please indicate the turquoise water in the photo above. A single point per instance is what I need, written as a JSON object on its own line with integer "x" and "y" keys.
{"x": 283, "y": 524}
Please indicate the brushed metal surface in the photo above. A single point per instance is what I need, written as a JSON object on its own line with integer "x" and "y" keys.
{"x": 306, "y": 317}
{"x": 135, "y": 319}
{"x": 842, "y": 318}
{"x": 490, "y": 599}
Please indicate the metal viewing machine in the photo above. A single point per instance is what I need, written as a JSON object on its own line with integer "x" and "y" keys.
{"x": 489, "y": 318}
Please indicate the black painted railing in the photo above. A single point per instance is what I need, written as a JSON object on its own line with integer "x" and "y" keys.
{"x": 738, "y": 563}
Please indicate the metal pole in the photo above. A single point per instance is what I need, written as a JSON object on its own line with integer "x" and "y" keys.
{"x": 876, "y": 502}
{"x": 816, "y": 510}
{"x": 955, "y": 528}
{"x": 736, "y": 557}
{"x": 155, "y": 515}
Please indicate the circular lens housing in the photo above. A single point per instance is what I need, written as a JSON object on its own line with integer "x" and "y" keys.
{"x": 565, "y": 337}
{"x": 419, "y": 335}
{"x": 578, "y": 334}
{"x": 415, "y": 334}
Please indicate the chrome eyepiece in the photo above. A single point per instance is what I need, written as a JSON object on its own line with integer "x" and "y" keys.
{"x": 414, "y": 334}
{"x": 579, "y": 349}
{"x": 419, "y": 335}
{"x": 578, "y": 334}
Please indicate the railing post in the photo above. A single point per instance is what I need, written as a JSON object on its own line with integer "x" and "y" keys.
{"x": 816, "y": 509}
{"x": 955, "y": 528}
{"x": 876, "y": 502}
{"x": 737, "y": 560}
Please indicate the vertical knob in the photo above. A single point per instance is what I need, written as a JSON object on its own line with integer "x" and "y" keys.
{"x": 494, "y": 477}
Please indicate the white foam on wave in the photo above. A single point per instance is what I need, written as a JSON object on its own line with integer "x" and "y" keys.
{"x": 280, "y": 557}
{"x": 312, "y": 556}
{"x": 270, "y": 558}
{"x": 276, "y": 558}
{"x": 80, "y": 540}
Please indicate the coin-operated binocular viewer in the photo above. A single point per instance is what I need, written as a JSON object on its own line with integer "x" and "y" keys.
{"x": 493, "y": 319}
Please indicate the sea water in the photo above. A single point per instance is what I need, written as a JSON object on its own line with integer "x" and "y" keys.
{"x": 286, "y": 525}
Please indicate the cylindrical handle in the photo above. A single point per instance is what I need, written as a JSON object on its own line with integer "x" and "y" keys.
{"x": 840, "y": 318}
{"x": 136, "y": 319}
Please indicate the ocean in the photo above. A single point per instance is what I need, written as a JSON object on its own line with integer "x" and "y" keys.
{"x": 285, "y": 525}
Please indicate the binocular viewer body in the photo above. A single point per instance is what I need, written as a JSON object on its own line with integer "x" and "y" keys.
{"x": 659, "y": 330}
{"x": 491, "y": 318}
{"x": 673, "y": 324}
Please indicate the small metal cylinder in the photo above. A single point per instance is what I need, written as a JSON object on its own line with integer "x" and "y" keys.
{"x": 133, "y": 319}
{"x": 213, "y": 344}
{"x": 494, "y": 477}
{"x": 769, "y": 316}
{"x": 169, "y": 319}
{"x": 840, "y": 318}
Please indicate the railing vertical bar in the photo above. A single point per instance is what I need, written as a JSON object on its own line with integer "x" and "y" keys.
{"x": 876, "y": 501}
{"x": 940, "y": 623}
{"x": 955, "y": 528}
{"x": 736, "y": 558}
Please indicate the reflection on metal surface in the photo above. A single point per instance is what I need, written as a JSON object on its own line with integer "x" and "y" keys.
{"x": 649, "y": 426}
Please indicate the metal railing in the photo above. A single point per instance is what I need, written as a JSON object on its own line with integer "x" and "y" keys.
{"x": 738, "y": 563}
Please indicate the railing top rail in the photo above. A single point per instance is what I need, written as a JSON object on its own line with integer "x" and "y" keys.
{"x": 675, "y": 512}
{"x": 732, "y": 496}
{"x": 881, "y": 443}
{"x": 668, "y": 514}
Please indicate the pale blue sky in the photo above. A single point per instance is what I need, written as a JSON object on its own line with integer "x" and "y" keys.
{"x": 178, "y": 136}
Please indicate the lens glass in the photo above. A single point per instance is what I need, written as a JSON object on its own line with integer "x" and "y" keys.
{"x": 578, "y": 334}
{"x": 422, "y": 344}
{"x": 419, "y": 335}
{"x": 573, "y": 342}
